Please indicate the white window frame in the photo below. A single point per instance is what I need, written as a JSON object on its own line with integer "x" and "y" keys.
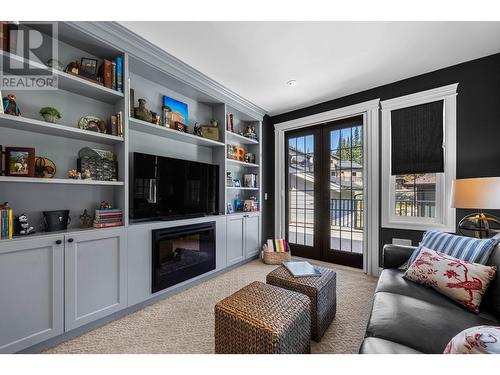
{"x": 445, "y": 214}
{"x": 370, "y": 112}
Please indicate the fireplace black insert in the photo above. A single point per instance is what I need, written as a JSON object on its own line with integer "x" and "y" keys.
{"x": 181, "y": 253}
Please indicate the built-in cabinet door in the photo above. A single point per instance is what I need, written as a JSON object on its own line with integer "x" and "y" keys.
{"x": 235, "y": 235}
{"x": 31, "y": 291}
{"x": 95, "y": 275}
{"x": 252, "y": 234}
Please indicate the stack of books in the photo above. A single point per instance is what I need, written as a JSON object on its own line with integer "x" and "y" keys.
{"x": 108, "y": 218}
{"x": 112, "y": 73}
{"x": 116, "y": 125}
{"x": 6, "y": 222}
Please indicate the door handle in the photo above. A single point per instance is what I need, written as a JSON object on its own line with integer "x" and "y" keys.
{"x": 58, "y": 242}
{"x": 70, "y": 240}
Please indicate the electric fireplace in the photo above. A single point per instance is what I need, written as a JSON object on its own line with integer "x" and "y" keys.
{"x": 181, "y": 253}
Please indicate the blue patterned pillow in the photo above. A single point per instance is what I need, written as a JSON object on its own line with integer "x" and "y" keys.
{"x": 470, "y": 249}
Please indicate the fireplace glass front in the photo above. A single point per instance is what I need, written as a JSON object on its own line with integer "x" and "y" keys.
{"x": 181, "y": 253}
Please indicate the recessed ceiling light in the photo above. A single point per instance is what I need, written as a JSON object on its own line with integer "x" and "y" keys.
{"x": 292, "y": 83}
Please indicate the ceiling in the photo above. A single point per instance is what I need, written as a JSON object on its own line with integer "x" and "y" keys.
{"x": 327, "y": 59}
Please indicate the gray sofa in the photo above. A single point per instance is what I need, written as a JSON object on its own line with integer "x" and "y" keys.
{"x": 410, "y": 318}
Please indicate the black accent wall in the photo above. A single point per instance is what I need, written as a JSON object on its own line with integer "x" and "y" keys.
{"x": 478, "y": 126}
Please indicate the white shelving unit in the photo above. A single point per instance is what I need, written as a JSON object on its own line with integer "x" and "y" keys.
{"x": 67, "y": 181}
{"x": 57, "y": 130}
{"x": 71, "y": 83}
{"x": 237, "y": 138}
{"x": 242, "y": 163}
{"x": 161, "y": 131}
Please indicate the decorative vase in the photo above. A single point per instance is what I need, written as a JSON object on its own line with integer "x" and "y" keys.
{"x": 50, "y": 118}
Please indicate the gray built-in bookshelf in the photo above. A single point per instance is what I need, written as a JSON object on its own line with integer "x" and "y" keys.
{"x": 151, "y": 73}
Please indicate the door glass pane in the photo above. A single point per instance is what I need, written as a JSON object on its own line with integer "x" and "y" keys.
{"x": 301, "y": 190}
{"x": 346, "y": 189}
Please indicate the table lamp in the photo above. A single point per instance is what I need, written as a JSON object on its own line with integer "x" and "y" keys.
{"x": 477, "y": 193}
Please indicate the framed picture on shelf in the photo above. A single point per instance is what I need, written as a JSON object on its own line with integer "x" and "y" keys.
{"x": 230, "y": 208}
{"x": 20, "y": 161}
{"x": 250, "y": 180}
{"x": 174, "y": 111}
{"x": 88, "y": 67}
{"x": 236, "y": 182}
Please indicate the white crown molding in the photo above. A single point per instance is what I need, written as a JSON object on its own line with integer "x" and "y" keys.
{"x": 420, "y": 97}
{"x": 329, "y": 115}
{"x": 119, "y": 36}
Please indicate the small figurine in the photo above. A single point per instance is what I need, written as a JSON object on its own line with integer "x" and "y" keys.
{"x": 86, "y": 219}
{"x": 24, "y": 224}
{"x": 10, "y": 105}
{"x": 86, "y": 175}
{"x": 156, "y": 119}
{"x": 142, "y": 113}
{"x": 250, "y": 132}
{"x": 197, "y": 129}
{"x": 55, "y": 64}
{"x": 74, "y": 174}
{"x": 73, "y": 68}
{"x": 214, "y": 122}
{"x": 105, "y": 206}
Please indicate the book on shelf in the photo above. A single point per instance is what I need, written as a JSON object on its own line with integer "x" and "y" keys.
{"x": 119, "y": 73}
{"x": 107, "y": 70}
{"x": 132, "y": 101}
{"x": 113, "y": 75}
{"x": 6, "y": 222}
{"x": 119, "y": 124}
{"x": 112, "y": 126}
{"x": 4, "y": 36}
{"x": 107, "y": 225}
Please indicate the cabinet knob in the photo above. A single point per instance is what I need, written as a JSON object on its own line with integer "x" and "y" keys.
{"x": 58, "y": 242}
{"x": 70, "y": 240}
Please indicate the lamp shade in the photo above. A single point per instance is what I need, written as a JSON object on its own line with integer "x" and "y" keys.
{"x": 476, "y": 193}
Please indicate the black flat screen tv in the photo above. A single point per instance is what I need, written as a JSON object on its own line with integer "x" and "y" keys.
{"x": 166, "y": 188}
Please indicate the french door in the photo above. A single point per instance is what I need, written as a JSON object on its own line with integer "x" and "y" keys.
{"x": 325, "y": 194}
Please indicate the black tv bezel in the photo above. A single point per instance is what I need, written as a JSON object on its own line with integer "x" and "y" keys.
{"x": 174, "y": 216}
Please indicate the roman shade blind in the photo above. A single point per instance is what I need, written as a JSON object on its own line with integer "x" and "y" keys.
{"x": 417, "y": 139}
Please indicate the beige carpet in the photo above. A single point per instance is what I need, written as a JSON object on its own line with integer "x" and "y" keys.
{"x": 184, "y": 323}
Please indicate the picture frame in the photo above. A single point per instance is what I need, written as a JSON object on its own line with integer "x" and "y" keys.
{"x": 230, "y": 209}
{"x": 250, "y": 180}
{"x": 88, "y": 67}
{"x": 20, "y": 161}
{"x": 236, "y": 182}
{"x": 174, "y": 111}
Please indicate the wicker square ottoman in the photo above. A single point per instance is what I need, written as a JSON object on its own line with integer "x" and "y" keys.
{"x": 320, "y": 289}
{"x": 263, "y": 319}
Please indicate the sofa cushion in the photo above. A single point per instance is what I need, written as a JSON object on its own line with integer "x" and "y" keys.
{"x": 392, "y": 281}
{"x": 465, "y": 248}
{"x": 457, "y": 279}
{"x": 374, "y": 345}
{"x": 491, "y": 300}
{"x": 475, "y": 340}
{"x": 424, "y": 326}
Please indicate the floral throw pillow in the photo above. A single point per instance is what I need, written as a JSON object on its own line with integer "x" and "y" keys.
{"x": 457, "y": 279}
{"x": 475, "y": 340}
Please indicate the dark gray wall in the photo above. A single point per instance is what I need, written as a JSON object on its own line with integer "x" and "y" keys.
{"x": 478, "y": 125}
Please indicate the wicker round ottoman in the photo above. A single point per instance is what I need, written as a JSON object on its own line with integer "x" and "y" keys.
{"x": 320, "y": 289}
{"x": 263, "y": 319}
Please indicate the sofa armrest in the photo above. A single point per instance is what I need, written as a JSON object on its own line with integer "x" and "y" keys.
{"x": 395, "y": 256}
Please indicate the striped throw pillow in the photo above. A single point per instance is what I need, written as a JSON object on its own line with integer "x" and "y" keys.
{"x": 470, "y": 249}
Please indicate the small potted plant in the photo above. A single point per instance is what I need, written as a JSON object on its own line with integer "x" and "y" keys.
{"x": 214, "y": 122}
{"x": 50, "y": 114}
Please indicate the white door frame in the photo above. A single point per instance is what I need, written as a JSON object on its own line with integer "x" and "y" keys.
{"x": 370, "y": 112}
